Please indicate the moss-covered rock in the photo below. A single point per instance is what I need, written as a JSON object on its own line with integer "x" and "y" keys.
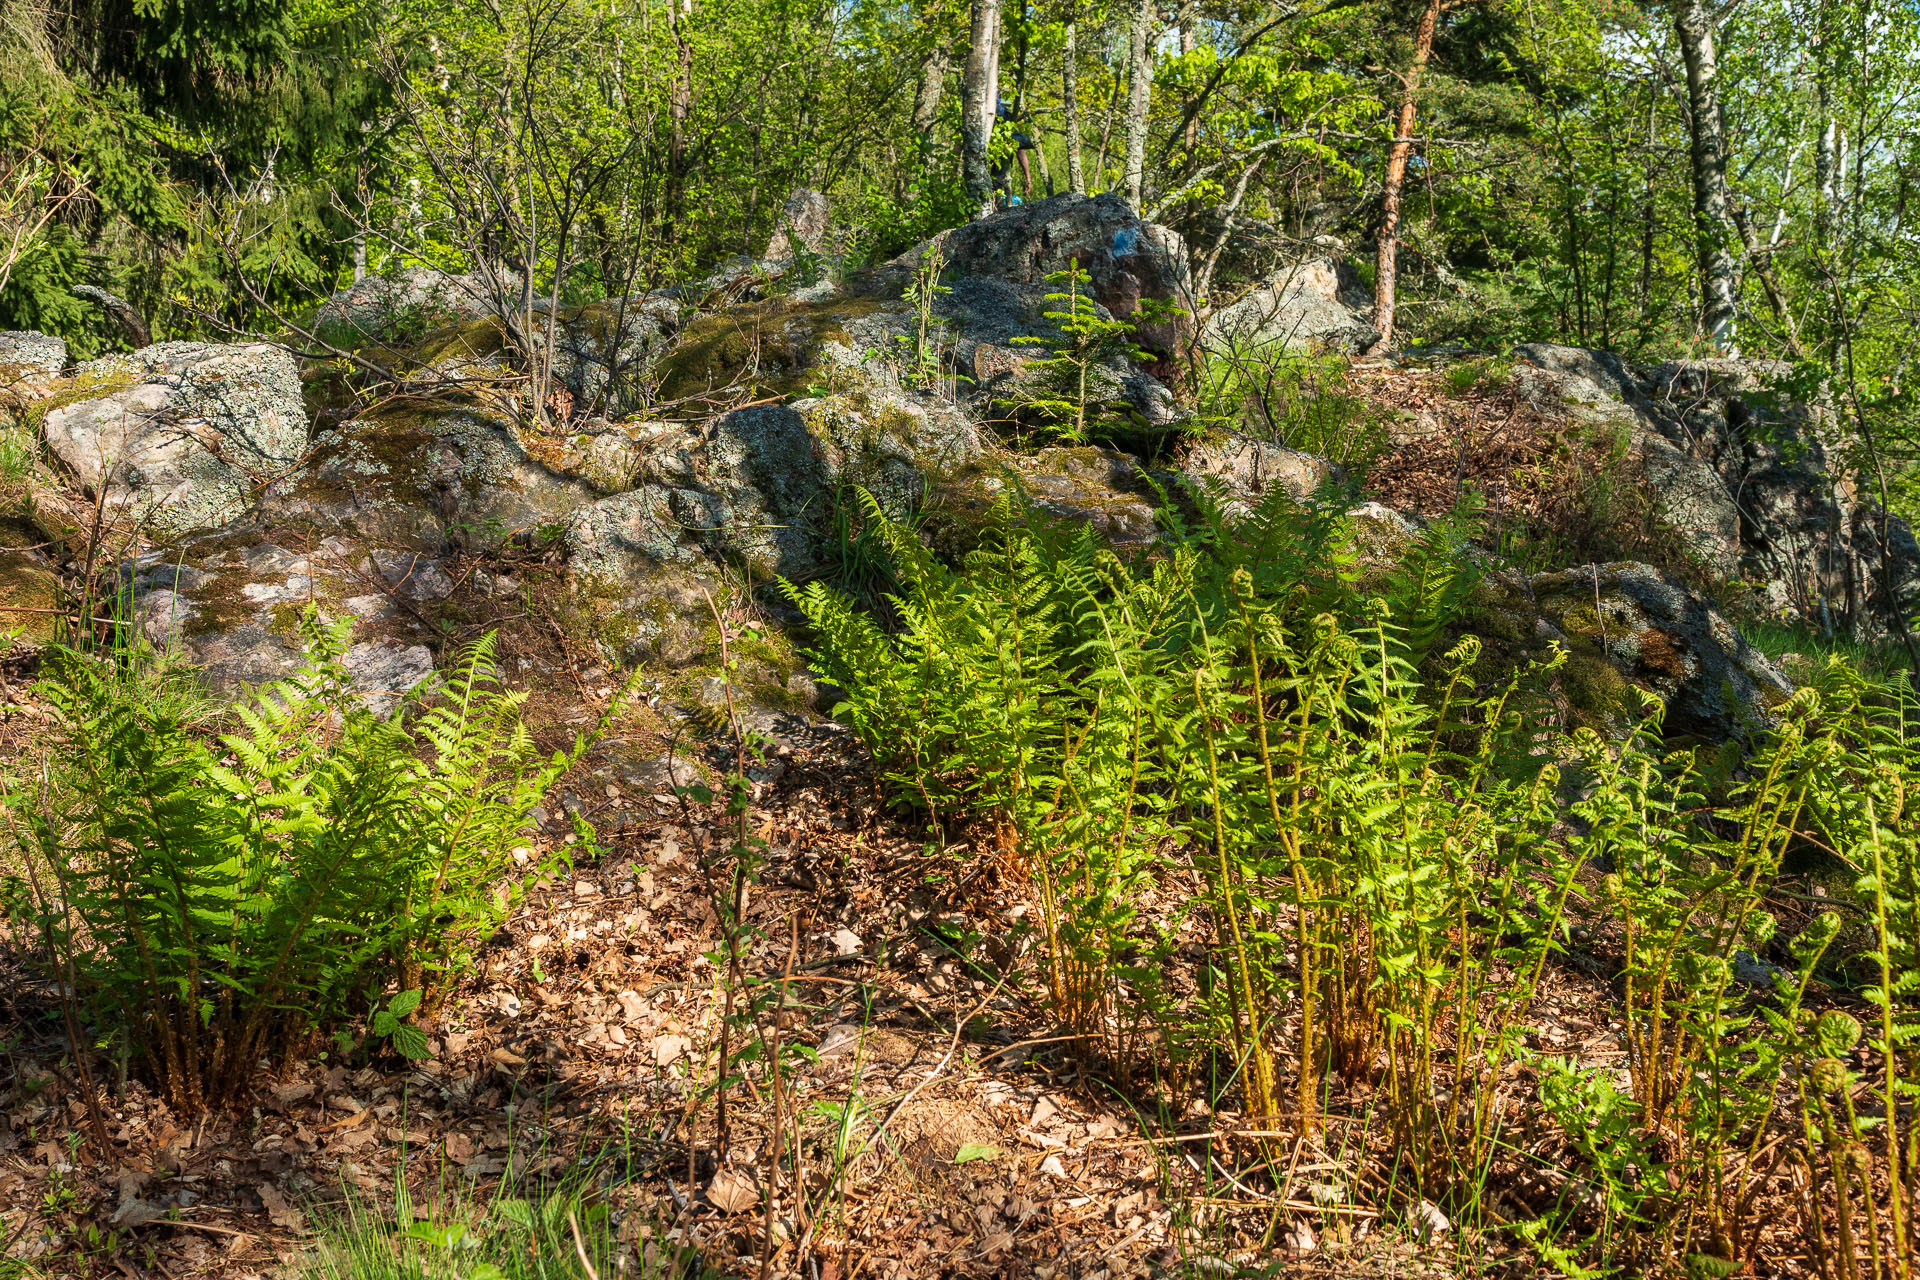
{"x": 422, "y": 474}
{"x": 230, "y": 604}
{"x": 1626, "y": 627}
{"x": 30, "y": 587}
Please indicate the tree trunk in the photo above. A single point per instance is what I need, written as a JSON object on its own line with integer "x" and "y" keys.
{"x": 679, "y": 109}
{"x": 1070, "y": 108}
{"x": 1139, "y": 100}
{"x": 1693, "y": 23}
{"x": 1386, "y": 266}
{"x": 1187, "y": 19}
{"x": 926, "y": 101}
{"x": 980, "y": 95}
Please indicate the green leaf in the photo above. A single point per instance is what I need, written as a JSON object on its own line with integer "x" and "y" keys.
{"x": 971, "y": 1151}
{"x": 411, "y": 1042}
{"x": 404, "y": 1003}
{"x": 385, "y": 1024}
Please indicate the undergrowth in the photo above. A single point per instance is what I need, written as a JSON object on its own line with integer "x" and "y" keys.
{"x": 214, "y": 900}
{"x": 1295, "y": 859}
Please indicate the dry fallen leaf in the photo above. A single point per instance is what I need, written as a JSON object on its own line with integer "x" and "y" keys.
{"x": 279, "y": 1211}
{"x": 288, "y": 1094}
{"x": 460, "y": 1148}
{"x": 732, "y": 1191}
{"x": 669, "y": 1049}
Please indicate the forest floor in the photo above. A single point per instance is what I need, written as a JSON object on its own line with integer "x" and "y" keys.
{"x": 587, "y": 1045}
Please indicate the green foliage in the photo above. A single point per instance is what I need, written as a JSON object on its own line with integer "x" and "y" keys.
{"x": 924, "y": 349}
{"x": 1296, "y": 401}
{"x": 1386, "y": 867}
{"x": 562, "y": 1228}
{"x": 1074, "y": 386}
{"x": 217, "y": 903}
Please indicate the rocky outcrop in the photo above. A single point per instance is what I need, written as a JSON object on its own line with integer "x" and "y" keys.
{"x": 1310, "y": 308}
{"x": 1746, "y": 478}
{"x": 182, "y": 435}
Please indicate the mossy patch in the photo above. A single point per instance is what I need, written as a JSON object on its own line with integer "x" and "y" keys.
{"x": 29, "y": 591}
{"x": 770, "y": 345}
{"x": 86, "y": 384}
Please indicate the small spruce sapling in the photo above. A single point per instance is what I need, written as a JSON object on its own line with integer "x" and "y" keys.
{"x": 1088, "y": 339}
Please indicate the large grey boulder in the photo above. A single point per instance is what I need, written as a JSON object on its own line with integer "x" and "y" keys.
{"x": 181, "y": 436}
{"x": 1312, "y": 307}
{"x": 801, "y": 229}
{"x": 1244, "y": 470}
{"x": 1130, "y": 261}
{"x": 1598, "y": 390}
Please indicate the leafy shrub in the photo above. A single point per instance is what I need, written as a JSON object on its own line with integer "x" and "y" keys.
{"x": 215, "y": 904}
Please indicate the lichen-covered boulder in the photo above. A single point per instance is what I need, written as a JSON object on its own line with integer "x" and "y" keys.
{"x": 28, "y": 354}
{"x": 421, "y": 476}
{"x": 1627, "y": 625}
{"x": 182, "y": 436}
{"x": 230, "y": 603}
{"x": 759, "y": 487}
{"x": 414, "y": 298}
{"x": 1312, "y": 307}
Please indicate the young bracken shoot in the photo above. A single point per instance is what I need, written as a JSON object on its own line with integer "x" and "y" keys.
{"x": 1384, "y": 875}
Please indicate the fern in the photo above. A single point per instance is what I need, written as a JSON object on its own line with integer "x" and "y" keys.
{"x": 217, "y": 910}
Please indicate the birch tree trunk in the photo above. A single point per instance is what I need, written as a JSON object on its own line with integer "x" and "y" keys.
{"x": 1693, "y": 23}
{"x": 1070, "y": 109}
{"x": 1386, "y": 263}
{"x": 980, "y": 92}
{"x": 1139, "y": 101}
